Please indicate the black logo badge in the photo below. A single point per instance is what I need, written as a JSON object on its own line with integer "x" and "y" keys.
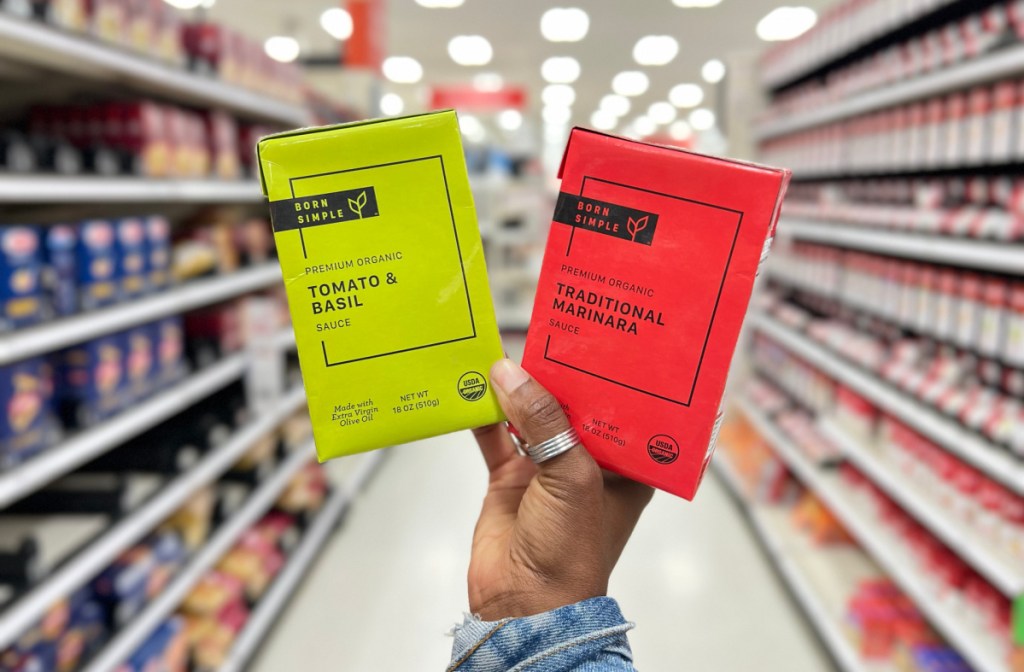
{"x": 472, "y": 386}
{"x": 663, "y": 449}
{"x": 340, "y": 206}
{"x": 617, "y": 221}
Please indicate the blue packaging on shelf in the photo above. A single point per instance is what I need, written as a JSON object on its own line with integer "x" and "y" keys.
{"x": 132, "y": 256}
{"x": 20, "y": 282}
{"x": 62, "y": 280}
{"x": 90, "y": 375}
{"x": 124, "y": 586}
{"x": 158, "y": 251}
{"x": 169, "y": 334}
{"x": 162, "y": 650}
{"x": 24, "y": 420}
{"x": 140, "y": 348}
{"x": 97, "y": 265}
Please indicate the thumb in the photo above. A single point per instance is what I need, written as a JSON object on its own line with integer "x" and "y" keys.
{"x": 538, "y": 416}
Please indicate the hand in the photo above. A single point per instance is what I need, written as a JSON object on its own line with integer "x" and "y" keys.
{"x": 548, "y": 535}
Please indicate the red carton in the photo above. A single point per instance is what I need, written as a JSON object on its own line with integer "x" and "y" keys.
{"x": 649, "y": 267}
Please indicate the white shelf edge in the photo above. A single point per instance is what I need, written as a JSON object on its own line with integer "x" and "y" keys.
{"x": 51, "y": 336}
{"x": 127, "y": 640}
{"x": 986, "y": 255}
{"x": 35, "y": 43}
{"x": 90, "y": 561}
{"x": 829, "y": 630}
{"x": 947, "y": 433}
{"x": 51, "y": 189}
{"x": 287, "y": 582}
{"x": 89, "y": 444}
{"x": 1000, "y": 572}
{"x": 1004, "y": 63}
{"x": 954, "y": 629}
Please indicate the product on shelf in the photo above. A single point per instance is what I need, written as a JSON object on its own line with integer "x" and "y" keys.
{"x": 90, "y": 381}
{"x": 166, "y": 649}
{"x": 816, "y": 520}
{"x": 97, "y": 264}
{"x": 306, "y": 492}
{"x": 367, "y": 289}
{"x": 215, "y": 612}
{"x": 28, "y": 423}
{"x": 72, "y": 630}
{"x": 21, "y": 290}
{"x": 193, "y": 521}
{"x": 138, "y": 575}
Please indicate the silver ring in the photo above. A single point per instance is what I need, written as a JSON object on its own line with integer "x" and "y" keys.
{"x": 553, "y": 447}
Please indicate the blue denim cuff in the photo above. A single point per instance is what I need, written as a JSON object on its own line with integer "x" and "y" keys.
{"x": 586, "y": 635}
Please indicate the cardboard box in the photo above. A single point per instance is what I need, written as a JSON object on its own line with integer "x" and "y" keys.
{"x": 649, "y": 267}
{"x": 384, "y": 269}
{"x": 20, "y": 277}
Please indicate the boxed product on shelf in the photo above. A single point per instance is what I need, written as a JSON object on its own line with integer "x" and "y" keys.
{"x": 215, "y": 612}
{"x": 306, "y": 492}
{"x": 91, "y": 381}
{"x": 193, "y": 521}
{"x": 21, "y": 291}
{"x": 169, "y": 338}
{"x": 27, "y": 425}
{"x": 255, "y": 560}
{"x": 166, "y": 649}
{"x": 140, "y": 364}
{"x": 98, "y": 265}
{"x": 60, "y": 271}
{"x": 138, "y": 575}
{"x": 132, "y": 259}
{"x": 158, "y": 251}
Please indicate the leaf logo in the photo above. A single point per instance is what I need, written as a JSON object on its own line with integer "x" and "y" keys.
{"x": 358, "y": 203}
{"x": 635, "y": 226}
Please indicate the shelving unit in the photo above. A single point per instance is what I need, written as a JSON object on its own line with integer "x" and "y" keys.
{"x": 38, "y": 45}
{"x": 983, "y": 653}
{"x": 58, "y": 189}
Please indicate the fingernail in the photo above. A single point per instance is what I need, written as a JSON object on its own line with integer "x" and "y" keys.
{"x": 507, "y": 376}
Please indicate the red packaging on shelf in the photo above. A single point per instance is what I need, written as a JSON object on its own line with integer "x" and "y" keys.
{"x": 649, "y": 267}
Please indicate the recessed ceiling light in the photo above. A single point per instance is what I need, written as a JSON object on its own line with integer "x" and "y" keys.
{"x": 402, "y": 69}
{"x": 662, "y": 113}
{"x": 786, "y": 23}
{"x": 510, "y": 120}
{"x": 564, "y": 24}
{"x": 558, "y": 94}
{"x": 644, "y": 126}
{"x": 560, "y": 70}
{"x": 488, "y": 81}
{"x": 680, "y": 130}
{"x": 440, "y": 4}
{"x": 630, "y": 83}
{"x": 656, "y": 50}
{"x": 686, "y": 95}
{"x": 391, "y": 104}
{"x": 556, "y": 114}
{"x": 337, "y": 22}
{"x": 713, "y": 71}
{"x": 282, "y": 48}
{"x": 472, "y": 128}
{"x": 604, "y": 121}
{"x": 615, "y": 104}
{"x": 696, "y": 3}
{"x": 702, "y": 119}
{"x": 470, "y": 50}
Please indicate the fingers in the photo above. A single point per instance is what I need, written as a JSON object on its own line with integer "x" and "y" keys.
{"x": 495, "y": 445}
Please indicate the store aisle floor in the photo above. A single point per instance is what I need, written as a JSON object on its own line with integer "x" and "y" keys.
{"x": 392, "y": 581}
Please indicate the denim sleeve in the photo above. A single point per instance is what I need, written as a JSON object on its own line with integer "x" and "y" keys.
{"x": 586, "y": 637}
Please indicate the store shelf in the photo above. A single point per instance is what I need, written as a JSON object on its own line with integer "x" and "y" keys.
{"x": 59, "y": 189}
{"x": 86, "y": 564}
{"x": 91, "y": 443}
{"x": 790, "y": 558}
{"x": 62, "y": 333}
{"x": 977, "y": 647}
{"x": 986, "y": 255}
{"x": 989, "y": 458}
{"x": 276, "y": 599}
{"x": 1001, "y": 64}
{"x": 1004, "y": 574}
{"x": 36, "y": 44}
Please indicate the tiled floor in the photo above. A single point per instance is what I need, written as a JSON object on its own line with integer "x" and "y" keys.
{"x": 393, "y": 581}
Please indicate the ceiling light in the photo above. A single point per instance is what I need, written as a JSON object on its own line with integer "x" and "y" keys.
{"x": 680, "y": 131}
{"x": 554, "y": 133}
{"x": 556, "y": 114}
{"x": 282, "y": 48}
{"x": 630, "y": 83}
{"x": 510, "y": 120}
{"x": 391, "y": 104}
{"x": 713, "y": 71}
{"x": 702, "y": 119}
{"x": 604, "y": 121}
{"x": 470, "y": 50}
{"x": 686, "y": 95}
{"x": 786, "y": 23}
{"x": 337, "y": 22}
{"x": 558, "y": 94}
{"x": 184, "y": 4}
{"x": 472, "y": 128}
{"x": 440, "y": 4}
{"x": 644, "y": 126}
{"x": 662, "y": 113}
{"x": 488, "y": 81}
{"x": 560, "y": 70}
{"x": 615, "y": 104}
{"x": 564, "y": 24}
{"x": 402, "y": 69}
{"x": 696, "y": 3}
{"x": 656, "y": 50}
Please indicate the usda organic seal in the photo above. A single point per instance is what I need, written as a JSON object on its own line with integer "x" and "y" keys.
{"x": 472, "y": 386}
